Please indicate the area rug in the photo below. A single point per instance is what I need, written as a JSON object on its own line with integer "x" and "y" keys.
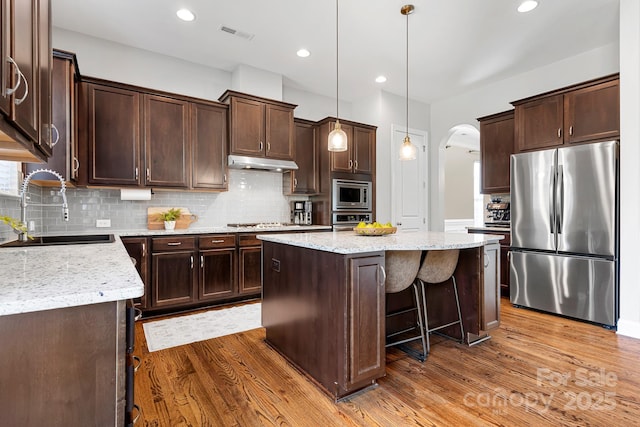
{"x": 181, "y": 330}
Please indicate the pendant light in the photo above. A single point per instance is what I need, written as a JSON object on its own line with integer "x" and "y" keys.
{"x": 337, "y": 137}
{"x": 408, "y": 151}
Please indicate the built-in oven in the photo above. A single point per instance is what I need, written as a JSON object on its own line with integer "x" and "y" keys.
{"x": 348, "y": 220}
{"x": 351, "y": 195}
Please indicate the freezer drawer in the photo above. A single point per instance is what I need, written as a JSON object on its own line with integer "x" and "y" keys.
{"x": 579, "y": 287}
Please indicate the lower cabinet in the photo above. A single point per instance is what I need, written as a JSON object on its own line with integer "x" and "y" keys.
{"x": 217, "y": 276}
{"x": 65, "y": 367}
{"x": 173, "y": 276}
{"x": 138, "y": 248}
{"x": 249, "y": 270}
{"x": 505, "y": 247}
{"x": 490, "y": 304}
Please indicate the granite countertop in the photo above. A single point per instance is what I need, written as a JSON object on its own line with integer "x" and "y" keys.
{"x": 347, "y": 242}
{"x": 221, "y": 229}
{"x": 491, "y": 229}
{"x": 59, "y": 276}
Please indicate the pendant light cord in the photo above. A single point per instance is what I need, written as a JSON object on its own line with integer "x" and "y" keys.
{"x": 407, "y": 100}
{"x": 337, "y": 56}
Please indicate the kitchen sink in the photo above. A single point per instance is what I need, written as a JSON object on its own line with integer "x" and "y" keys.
{"x": 61, "y": 240}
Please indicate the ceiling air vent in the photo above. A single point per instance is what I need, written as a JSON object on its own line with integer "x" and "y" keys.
{"x": 237, "y": 33}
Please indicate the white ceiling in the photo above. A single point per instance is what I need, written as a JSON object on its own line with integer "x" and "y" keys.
{"x": 454, "y": 45}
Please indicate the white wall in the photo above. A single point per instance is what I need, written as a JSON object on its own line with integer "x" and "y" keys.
{"x": 458, "y": 198}
{"x": 496, "y": 97}
{"x": 629, "y": 323}
{"x": 257, "y": 82}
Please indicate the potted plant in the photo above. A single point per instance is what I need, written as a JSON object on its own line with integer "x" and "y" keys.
{"x": 169, "y": 217}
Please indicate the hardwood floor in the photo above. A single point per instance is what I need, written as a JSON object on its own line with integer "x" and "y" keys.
{"x": 537, "y": 370}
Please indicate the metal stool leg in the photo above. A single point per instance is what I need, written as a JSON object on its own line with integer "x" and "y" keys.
{"x": 455, "y": 289}
{"x": 421, "y": 325}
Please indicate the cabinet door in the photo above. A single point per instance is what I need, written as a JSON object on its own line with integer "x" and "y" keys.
{"x": 137, "y": 248}
{"x": 173, "y": 279}
{"x": 62, "y": 107}
{"x": 25, "y": 53}
{"x": 592, "y": 113}
{"x": 45, "y": 59}
{"x": 539, "y": 123}
{"x": 305, "y": 179}
{"x": 209, "y": 146}
{"x": 247, "y": 127}
{"x": 114, "y": 151}
{"x": 490, "y": 312}
{"x": 366, "y": 319}
{"x": 364, "y": 147}
{"x": 249, "y": 270}
{"x": 496, "y": 148}
{"x": 341, "y": 161}
{"x": 279, "y": 132}
{"x": 217, "y": 274}
{"x": 166, "y": 141}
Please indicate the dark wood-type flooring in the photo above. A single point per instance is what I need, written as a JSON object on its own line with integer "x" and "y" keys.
{"x": 536, "y": 370}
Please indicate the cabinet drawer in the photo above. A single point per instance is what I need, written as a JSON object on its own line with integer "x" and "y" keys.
{"x": 178, "y": 243}
{"x": 217, "y": 241}
{"x": 248, "y": 240}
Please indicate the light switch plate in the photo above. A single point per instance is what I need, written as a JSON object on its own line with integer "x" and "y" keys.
{"x": 100, "y": 223}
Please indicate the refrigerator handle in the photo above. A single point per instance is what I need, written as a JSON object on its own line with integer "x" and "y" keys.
{"x": 560, "y": 199}
{"x": 552, "y": 193}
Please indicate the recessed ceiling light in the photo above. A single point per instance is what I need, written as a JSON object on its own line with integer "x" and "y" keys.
{"x": 381, "y": 79}
{"x": 186, "y": 15}
{"x": 303, "y": 53}
{"x": 527, "y": 6}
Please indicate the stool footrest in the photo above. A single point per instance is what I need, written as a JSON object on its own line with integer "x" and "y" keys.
{"x": 457, "y": 322}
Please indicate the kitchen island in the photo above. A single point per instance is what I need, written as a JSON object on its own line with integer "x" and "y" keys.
{"x": 66, "y": 334}
{"x": 323, "y": 299}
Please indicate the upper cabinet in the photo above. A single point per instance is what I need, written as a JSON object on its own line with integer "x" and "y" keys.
{"x": 260, "y": 127}
{"x": 581, "y": 113}
{"x": 158, "y": 140}
{"x": 496, "y": 147}
{"x": 304, "y": 180}
{"x": 25, "y": 101}
{"x": 64, "y": 159}
{"x": 361, "y": 147}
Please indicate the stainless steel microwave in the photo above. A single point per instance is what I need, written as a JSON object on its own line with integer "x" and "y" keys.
{"x": 351, "y": 195}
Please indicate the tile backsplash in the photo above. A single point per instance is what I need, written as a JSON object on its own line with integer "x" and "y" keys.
{"x": 253, "y": 196}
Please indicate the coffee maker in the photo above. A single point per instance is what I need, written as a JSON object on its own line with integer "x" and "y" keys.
{"x": 301, "y": 212}
{"x": 498, "y": 212}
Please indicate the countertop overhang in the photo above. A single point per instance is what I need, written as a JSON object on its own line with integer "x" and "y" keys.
{"x": 347, "y": 242}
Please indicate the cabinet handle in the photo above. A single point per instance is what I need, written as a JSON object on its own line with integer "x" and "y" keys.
{"x": 148, "y": 175}
{"x": 350, "y": 163}
{"x": 571, "y": 130}
{"x": 191, "y": 262}
{"x": 260, "y": 145}
{"x": 21, "y": 79}
{"x": 559, "y": 132}
{"x": 76, "y": 166}
{"x": 174, "y": 243}
{"x": 383, "y": 274}
{"x": 137, "y": 174}
{"x": 53, "y": 127}
{"x": 355, "y": 164}
{"x": 136, "y": 366}
{"x": 144, "y": 249}
{"x": 217, "y": 241}
{"x": 268, "y": 146}
{"x": 201, "y": 261}
{"x": 138, "y": 314}
{"x": 295, "y": 182}
{"x": 224, "y": 178}
{"x": 486, "y": 260}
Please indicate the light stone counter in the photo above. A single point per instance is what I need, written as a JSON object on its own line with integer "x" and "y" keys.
{"x": 347, "y": 242}
{"x": 50, "y": 277}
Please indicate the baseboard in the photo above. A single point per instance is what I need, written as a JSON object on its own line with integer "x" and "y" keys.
{"x": 629, "y": 328}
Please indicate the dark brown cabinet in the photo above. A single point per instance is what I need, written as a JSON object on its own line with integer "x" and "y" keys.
{"x": 64, "y": 158}
{"x": 166, "y": 142}
{"x": 138, "y": 249}
{"x": 25, "y": 27}
{"x": 249, "y": 268}
{"x": 581, "y": 113}
{"x": 496, "y": 148}
{"x": 260, "y": 127}
{"x": 360, "y": 155}
{"x": 217, "y": 277}
{"x": 173, "y": 275}
{"x": 505, "y": 247}
{"x": 209, "y": 146}
{"x": 304, "y": 180}
{"x": 113, "y": 134}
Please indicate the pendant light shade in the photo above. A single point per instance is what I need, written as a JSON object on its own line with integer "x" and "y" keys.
{"x": 337, "y": 140}
{"x": 408, "y": 151}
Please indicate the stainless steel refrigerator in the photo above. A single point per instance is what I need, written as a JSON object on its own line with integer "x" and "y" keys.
{"x": 564, "y": 231}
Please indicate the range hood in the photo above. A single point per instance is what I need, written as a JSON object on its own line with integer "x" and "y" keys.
{"x": 261, "y": 163}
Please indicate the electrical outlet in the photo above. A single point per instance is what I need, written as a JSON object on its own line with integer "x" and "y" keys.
{"x": 103, "y": 223}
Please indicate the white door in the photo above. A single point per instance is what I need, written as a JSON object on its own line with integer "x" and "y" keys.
{"x": 408, "y": 182}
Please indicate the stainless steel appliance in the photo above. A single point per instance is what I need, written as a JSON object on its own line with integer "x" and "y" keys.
{"x": 564, "y": 231}
{"x": 348, "y": 220}
{"x": 499, "y": 213}
{"x": 351, "y": 195}
{"x": 301, "y": 212}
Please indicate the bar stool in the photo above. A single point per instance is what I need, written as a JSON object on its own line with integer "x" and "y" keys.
{"x": 401, "y": 268}
{"x": 438, "y": 267}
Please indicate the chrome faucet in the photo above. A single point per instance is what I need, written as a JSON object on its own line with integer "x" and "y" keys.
{"x": 23, "y": 199}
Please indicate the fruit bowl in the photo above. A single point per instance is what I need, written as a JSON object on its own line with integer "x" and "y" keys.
{"x": 374, "y": 231}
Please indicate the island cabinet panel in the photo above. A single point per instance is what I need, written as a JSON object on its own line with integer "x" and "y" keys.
{"x": 324, "y": 312}
{"x": 138, "y": 249}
